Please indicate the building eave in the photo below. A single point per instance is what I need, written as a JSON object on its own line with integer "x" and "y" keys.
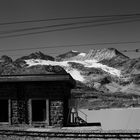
{"x": 38, "y": 78}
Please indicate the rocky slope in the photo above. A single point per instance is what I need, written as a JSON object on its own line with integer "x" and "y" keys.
{"x": 106, "y": 74}
{"x": 19, "y": 66}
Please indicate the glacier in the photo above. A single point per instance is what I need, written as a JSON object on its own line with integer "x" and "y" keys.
{"x": 74, "y": 72}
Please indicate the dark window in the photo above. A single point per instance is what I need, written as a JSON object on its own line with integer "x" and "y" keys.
{"x": 3, "y": 110}
{"x": 38, "y": 110}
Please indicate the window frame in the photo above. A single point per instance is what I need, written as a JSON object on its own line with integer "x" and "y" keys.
{"x": 9, "y": 112}
{"x": 31, "y": 122}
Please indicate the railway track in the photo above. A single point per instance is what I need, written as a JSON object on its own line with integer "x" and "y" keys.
{"x": 59, "y": 133}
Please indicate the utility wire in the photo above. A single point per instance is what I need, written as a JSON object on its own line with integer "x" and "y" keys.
{"x": 67, "y": 18}
{"x": 75, "y": 45}
{"x": 61, "y": 25}
{"x": 67, "y": 28}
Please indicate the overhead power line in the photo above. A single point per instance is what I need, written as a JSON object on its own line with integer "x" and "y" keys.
{"x": 67, "y": 24}
{"x": 64, "y": 24}
{"x": 77, "y": 45}
{"x": 68, "y": 18}
{"x": 68, "y": 28}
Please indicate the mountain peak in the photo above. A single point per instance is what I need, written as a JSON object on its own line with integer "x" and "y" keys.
{"x": 94, "y": 54}
{"x": 116, "y": 52}
{"x": 67, "y": 55}
{"x": 104, "y": 54}
{"x": 6, "y": 59}
{"x": 37, "y": 55}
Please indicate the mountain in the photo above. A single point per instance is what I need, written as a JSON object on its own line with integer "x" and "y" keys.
{"x": 105, "y": 77}
{"x": 67, "y": 55}
{"x": 132, "y": 66}
{"x": 113, "y": 58}
{"x": 104, "y": 54}
{"x": 98, "y": 55}
{"x": 91, "y": 68}
{"x": 19, "y": 66}
{"x": 37, "y": 55}
{"x": 5, "y": 60}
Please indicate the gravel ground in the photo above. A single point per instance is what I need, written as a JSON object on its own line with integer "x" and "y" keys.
{"x": 81, "y": 129}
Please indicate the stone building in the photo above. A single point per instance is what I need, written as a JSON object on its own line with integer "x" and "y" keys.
{"x": 35, "y": 99}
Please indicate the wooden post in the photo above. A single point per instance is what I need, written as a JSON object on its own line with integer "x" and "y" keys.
{"x": 47, "y": 111}
{"x": 30, "y": 112}
{"x": 9, "y": 111}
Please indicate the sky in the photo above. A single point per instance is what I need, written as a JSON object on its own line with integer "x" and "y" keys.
{"x": 21, "y": 10}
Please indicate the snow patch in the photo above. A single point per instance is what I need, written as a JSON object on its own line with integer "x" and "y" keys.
{"x": 33, "y": 62}
{"x": 74, "y": 51}
{"x": 76, "y": 75}
{"x": 108, "y": 69}
{"x": 74, "y": 72}
{"x": 82, "y": 54}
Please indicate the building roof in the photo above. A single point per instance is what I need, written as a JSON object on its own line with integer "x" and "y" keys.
{"x": 38, "y": 77}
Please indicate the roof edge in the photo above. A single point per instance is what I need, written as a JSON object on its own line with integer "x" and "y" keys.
{"x": 37, "y": 78}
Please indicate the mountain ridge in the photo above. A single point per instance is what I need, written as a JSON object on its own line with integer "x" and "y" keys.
{"x": 102, "y": 71}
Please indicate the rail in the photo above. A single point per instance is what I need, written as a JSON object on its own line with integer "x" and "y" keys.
{"x": 68, "y": 134}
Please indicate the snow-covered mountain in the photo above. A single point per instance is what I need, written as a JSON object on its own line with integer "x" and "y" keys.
{"x": 91, "y": 69}
{"x": 67, "y": 55}
{"x": 75, "y": 73}
{"x": 102, "y": 71}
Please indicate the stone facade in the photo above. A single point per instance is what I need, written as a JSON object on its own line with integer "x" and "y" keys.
{"x": 22, "y": 94}
{"x": 14, "y": 112}
{"x": 18, "y": 112}
{"x": 56, "y": 113}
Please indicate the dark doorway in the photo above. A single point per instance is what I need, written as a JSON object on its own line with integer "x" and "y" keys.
{"x": 38, "y": 110}
{"x": 3, "y": 110}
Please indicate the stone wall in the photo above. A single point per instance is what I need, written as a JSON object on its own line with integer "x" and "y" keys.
{"x": 56, "y": 113}
{"x": 21, "y": 93}
{"x": 14, "y": 112}
{"x": 22, "y": 109}
{"x": 19, "y": 114}
{"x": 18, "y": 111}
